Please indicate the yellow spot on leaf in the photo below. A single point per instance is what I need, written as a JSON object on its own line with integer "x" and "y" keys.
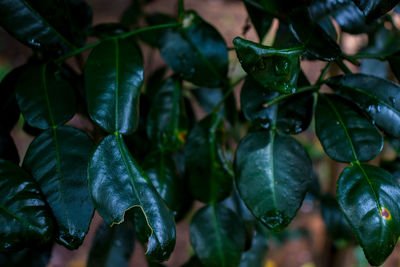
{"x": 386, "y": 214}
{"x": 270, "y": 263}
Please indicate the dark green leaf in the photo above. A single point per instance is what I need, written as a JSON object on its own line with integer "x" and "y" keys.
{"x": 167, "y": 122}
{"x": 115, "y": 174}
{"x": 334, "y": 220}
{"x": 132, "y": 14}
{"x": 9, "y": 110}
{"x": 28, "y": 257}
{"x": 345, "y": 134}
{"x": 294, "y": 113}
{"x": 316, "y": 41}
{"x": 197, "y": 52}
{"x": 272, "y": 172}
{"x": 57, "y": 160}
{"x": 25, "y": 219}
{"x": 373, "y": 9}
{"x": 8, "y": 150}
{"x": 162, "y": 171}
{"x": 208, "y": 98}
{"x": 261, "y": 20}
{"x": 114, "y": 76}
{"x": 277, "y": 69}
{"x": 369, "y": 197}
{"x": 378, "y": 97}
{"x": 45, "y": 98}
{"x": 276, "y": 8}
{"x": 217, "y": 236}
{"x": 112, "y": 246}
{"x": 193, "y": 262}
{"x": 105, "y": 30}
{"x": 210, "y": 175}
{"x": 255, "y": 256}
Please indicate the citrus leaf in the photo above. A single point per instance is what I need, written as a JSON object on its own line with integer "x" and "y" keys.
{"x": 277, "y": 69}
{"x": 260, "y": 19}
{"x": 25, "y": 218}
{"x": 345, "y": 134}
{"x": 273, "y": 173}
{"x": 255, "y": 256}
{"x": 294, "y": 113}
{"x": 210, "y": 176}
{"x": 113, "y": 77}
{"x": 45, "y": 98}
{"x": 112, "y": 246}
{"x": 57, "y": 160}
{"x": 196, "y": 51}
{"x": 217, "y": 236}
{"x": 117, "y": 184}
{"x": 368, "y": 197}
{"x": 163, "y": 173}
{"x": 167, "y": 122}
{"x": 373, "y": 9}
{"x": 380, "y": 98}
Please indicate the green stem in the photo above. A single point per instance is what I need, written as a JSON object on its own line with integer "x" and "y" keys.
{"x": 181, "y": 10}
{"x": 300, "y": 90}
{"x": 343, "y": 66}
{"x": 323, "y": 73}
{"x": 121, "y": 36}
{"x": 227, "y": 93}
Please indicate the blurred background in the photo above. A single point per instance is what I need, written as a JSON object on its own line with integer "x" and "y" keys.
{"x": 307, "y": 242}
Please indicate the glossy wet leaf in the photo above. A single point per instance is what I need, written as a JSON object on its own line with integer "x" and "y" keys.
{"x": 117, "y": 184}
{"x": 373, "y": 9}
{"x": 369, "y": 196}
{"x": 277, "y": 69}
{"x": 9, "y": 110}
{"x": 163, "y": 173}
{"x": 167, "y": 121}
{"x": 272, "y": 172}
{"x": 380, "y": 98}
{"x": 8, "y": 149}
{"x": 260, "y": 19}
{"x": 113, "y": 78}
{"x": 196, "y": 51}
{"x": 294, "y": 114}
{"x": 349, "y": 17}
{"x": 112, "y": 246}
{"x": 255, "y": 256}
{"x": 210, "y": 175}
{"x": 316, "y": 41}
{"x": 57, "y": 159}
{"x": 45, "y": 97}
{"x": 344, "y": 132}
{"x": 217, "y": 236}
{"x": 25, "y": 218}
{"x": 50, "y": 26}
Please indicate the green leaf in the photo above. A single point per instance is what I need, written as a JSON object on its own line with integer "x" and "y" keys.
{"x": 196, "y": 51}
{"x": 8, "y": 150}
{"x": 383, "y": 105}
{"x": 167, "y": 122}
{"x": 369, "y": 197}
{"x": 316, "y": 41}
{"x": 274, "y": 68}
{"x": 294, "y": 113}
{"x": 28, "y": 257}
{"x": 57, "y": 160}
{"x": 25, "y": 218}
{"x": 115, "y": 174}
{"x": 49, "y": 26}
{"x": 114, "y": 76}
{"x": 373, "y": 9}
{"x": 345, "y": 134}
{"x": 9, "y": 110}
{"x": 334, "y": 220}
{"x": 260, "y": 19}
{"x": 210, "y": 176}
{"x": 276, "y": 8}
{"x": 112, "y": 246}
{"x": 217, "y": 236}
{"x": 45, "y": 97}
{"x": 255, "y": 256}
{"x": 272, "y": 172}
{"x": 162, "y": 171}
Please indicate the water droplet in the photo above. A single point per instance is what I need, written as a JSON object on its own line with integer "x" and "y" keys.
{"x": 34, "y": 43}
{"x": 369, "y": 108}
{"x": 274, "y": 220}
{"x": 337, "y": 122}
{"x": 281, "y": 66}
{"x": 392, "y": 100}
{"x": 293, "y": 90}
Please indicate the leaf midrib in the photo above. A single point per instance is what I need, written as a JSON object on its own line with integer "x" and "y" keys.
{"x": 217, "y": 235}
{"x": 26, "y": 223}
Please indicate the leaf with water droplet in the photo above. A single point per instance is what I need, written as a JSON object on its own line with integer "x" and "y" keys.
{"x": 383, "y": 105}
{"x": 276, "y": 69}
{"x": 369, "y": 196}
{"x": 273, "y": 173}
